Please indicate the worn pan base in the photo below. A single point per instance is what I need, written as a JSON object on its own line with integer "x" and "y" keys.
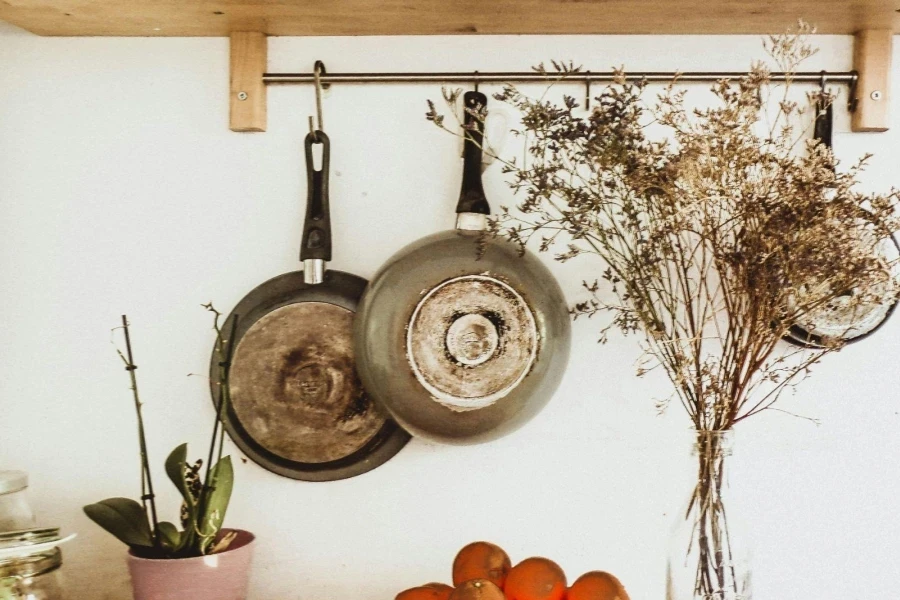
{"x": 297, "y": 406}
{"x": 462, "y": 346}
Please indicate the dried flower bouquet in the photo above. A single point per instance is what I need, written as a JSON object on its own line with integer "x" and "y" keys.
{"x": 712, "y": 237}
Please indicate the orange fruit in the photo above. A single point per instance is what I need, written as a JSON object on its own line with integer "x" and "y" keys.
{"x": 597, "y": 585}
{"x": 536, "y": 579}
{"x": 478, "y": 589}
{"x": 481, "y": 560}
{"x": 429, "y": 591}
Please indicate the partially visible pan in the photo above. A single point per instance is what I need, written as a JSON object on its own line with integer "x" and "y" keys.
{"x": 297, "y": 406}
{"x": 832, "y": 321}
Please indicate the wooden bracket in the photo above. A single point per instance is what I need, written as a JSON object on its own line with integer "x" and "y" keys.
{"x": 872, "y": 59}
{"x": 249, "y": 51}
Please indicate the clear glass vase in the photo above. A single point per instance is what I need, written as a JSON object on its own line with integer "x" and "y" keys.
{"x": 709, "y": 557}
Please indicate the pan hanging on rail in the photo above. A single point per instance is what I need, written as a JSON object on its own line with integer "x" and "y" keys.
{"x": 459, "y": 337}
{"x": 841, "y": 319}
{"x": 297, "y": 406}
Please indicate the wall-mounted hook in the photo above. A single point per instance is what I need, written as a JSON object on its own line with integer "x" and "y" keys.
{"x": 318, "y": 71}
{"x": 852, "y": 101}
{"x": 587, "y": 91}
{"x": 824, "y": 123}
{"x": 319, "y": 68}
{"x": 476, "y": 81}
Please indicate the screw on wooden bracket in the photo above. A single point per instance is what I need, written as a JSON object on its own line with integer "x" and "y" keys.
{"x": 246, "y": 88}
{"x": 876, "y": 95}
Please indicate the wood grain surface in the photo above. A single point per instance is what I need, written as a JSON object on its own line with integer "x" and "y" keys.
{"x": 399, "y": 17}
{"x": 872, "y": 58}
{"x": 249, "y": 52}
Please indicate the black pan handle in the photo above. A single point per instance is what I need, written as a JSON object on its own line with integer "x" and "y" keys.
{"x": 471, "y": 196}
{"x": 317, "y": 226}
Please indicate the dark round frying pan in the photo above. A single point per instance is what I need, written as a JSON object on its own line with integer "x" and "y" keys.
{"x": 459, "y": 337}
{"x": 296, "y": 405}
{"x": 833, "y": 322}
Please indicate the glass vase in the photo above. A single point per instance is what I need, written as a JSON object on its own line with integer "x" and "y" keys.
{"x": 709, "y": 557}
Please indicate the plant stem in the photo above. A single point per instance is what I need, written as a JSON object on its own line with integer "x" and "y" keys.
{"x": 226, "y": 389}
{"x": 716, "y": 575}
{"x": 146, "y": 479}
{"x": 224, "y": 350}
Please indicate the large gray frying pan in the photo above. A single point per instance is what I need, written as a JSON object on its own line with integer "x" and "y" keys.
{"x": 297, "y": 406}
{"x": 459, "y": 337}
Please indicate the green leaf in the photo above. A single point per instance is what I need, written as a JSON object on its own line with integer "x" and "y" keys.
{"x": 175, "y": 466}
{"x": 217, "y": 498}
{"x": 124, "y": 518}
{"x": 169, "y": 536}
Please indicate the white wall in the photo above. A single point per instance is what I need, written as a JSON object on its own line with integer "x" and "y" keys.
{"x": 122, "y": 191}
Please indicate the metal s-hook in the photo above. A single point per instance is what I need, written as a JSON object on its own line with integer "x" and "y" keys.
{"x": 318, "y": 71}
{"x": 824, "y": 123}
{"x": 476, "y": 81}
{"x": 823, "y": 93}
{"x": 852, "y": 99}
{"x": 587, "y": 91}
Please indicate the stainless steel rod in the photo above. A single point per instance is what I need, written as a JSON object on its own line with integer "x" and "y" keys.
{"x": 842, "y": 77}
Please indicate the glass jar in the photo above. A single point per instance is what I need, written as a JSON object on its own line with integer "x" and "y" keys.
{"x": 15, "y": 512}
{"x": 32, "y": 577}
{"x": 709, "y": 557}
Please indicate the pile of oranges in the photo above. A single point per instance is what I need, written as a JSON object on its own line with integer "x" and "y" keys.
{"x": 483, "y": 571}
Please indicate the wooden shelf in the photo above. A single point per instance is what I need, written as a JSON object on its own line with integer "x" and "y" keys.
{"x": 249, "y": 22}
{"x": 433, "y": 17}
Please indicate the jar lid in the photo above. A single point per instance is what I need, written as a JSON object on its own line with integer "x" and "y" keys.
{"x": 32, "y": 564}
{"x": 28, "y": 537}
{"x": 27, "y": 542}
{"x": 13, "y": 481}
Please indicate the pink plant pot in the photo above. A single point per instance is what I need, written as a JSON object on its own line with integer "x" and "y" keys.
{"x": 222, "y": 576}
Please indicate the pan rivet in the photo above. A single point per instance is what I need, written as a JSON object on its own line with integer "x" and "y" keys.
{"x": 876, "y": 95}
{"x": 242, "y": 95}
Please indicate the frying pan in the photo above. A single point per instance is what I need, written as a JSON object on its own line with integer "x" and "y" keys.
{"x": 458, "y": 336}
{"x": 296, "y": 403}
{"x": 865, "y": 320}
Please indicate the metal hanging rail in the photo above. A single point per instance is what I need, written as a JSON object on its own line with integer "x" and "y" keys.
{"x": 868, "y": 81}
{"x": 842, "y": 77}
{"x": 321, "y": 77}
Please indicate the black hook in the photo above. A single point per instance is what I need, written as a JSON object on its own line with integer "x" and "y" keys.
{"x": 824, "y": 123}
{"x": 476, "y": 81}
{"x": 853, "y": 100}
{"x": 587, "y": 90}
{"x": 823, "y": 93}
